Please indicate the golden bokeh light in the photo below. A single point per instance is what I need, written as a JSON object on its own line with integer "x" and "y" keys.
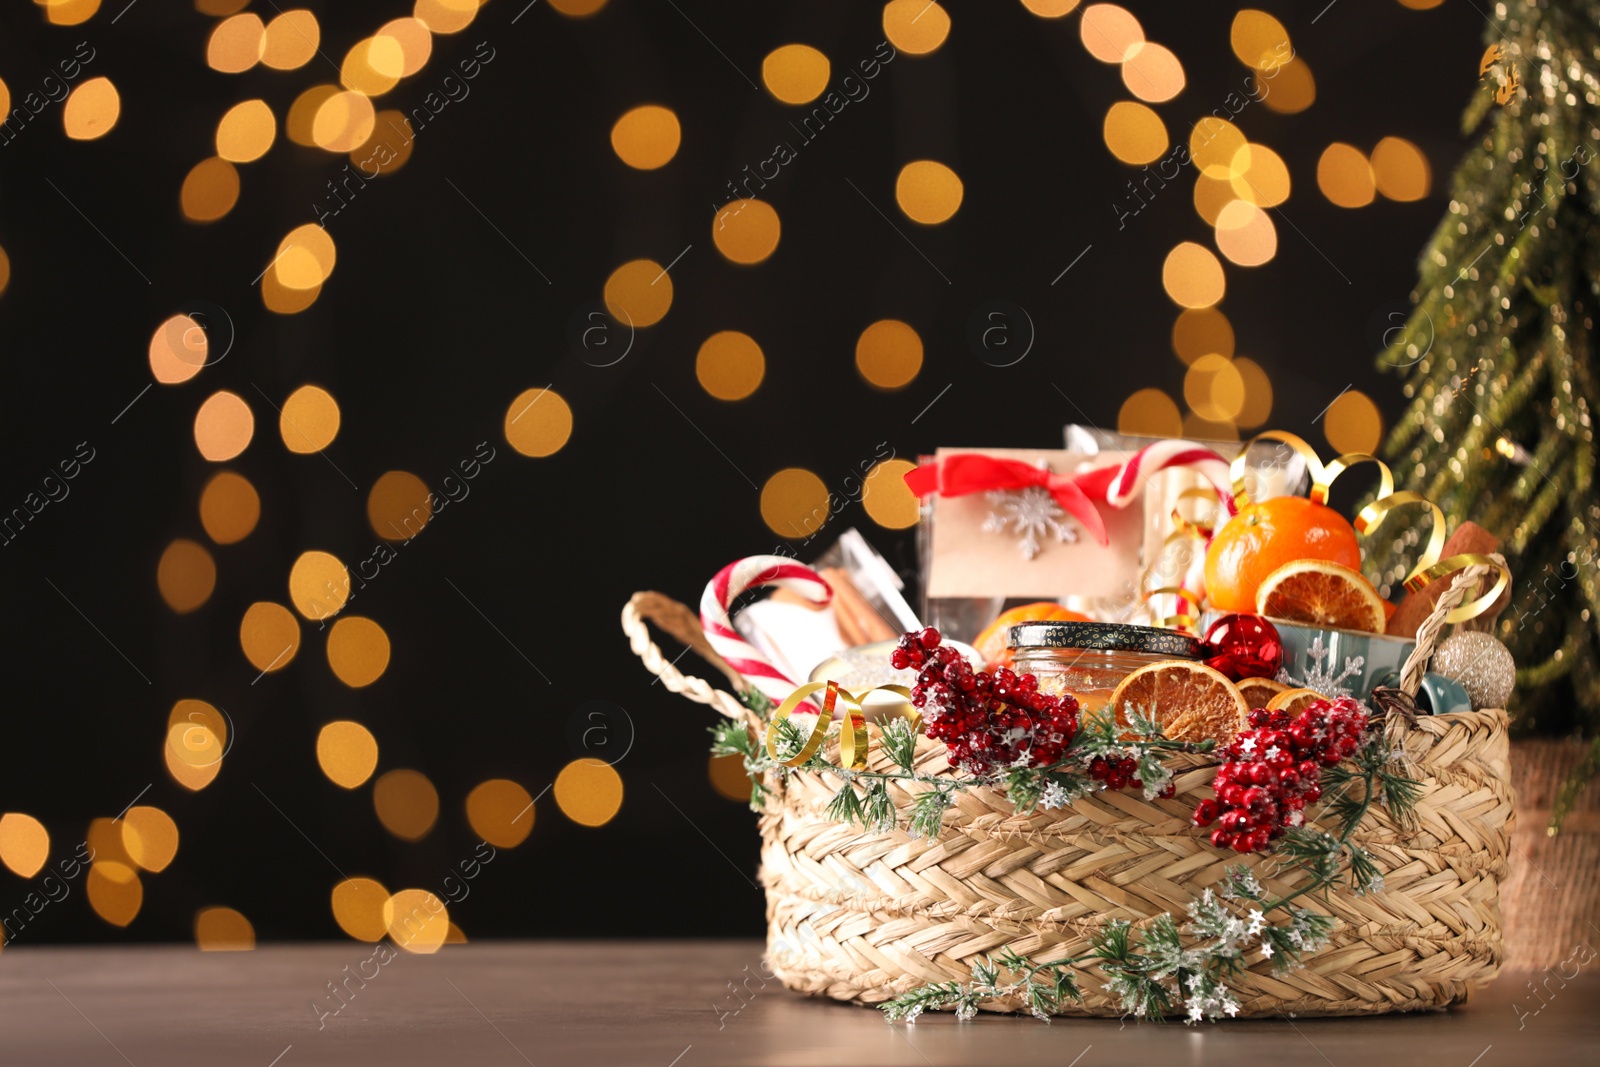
{"x": 290, "y": 40}
{"x": 1421, "y": 5}
{"x": 309, "y": 420}
{"x": 389, "y": 147}
{"x": 220, "y": 8}
{"x": 269, "y": 636}
{"x": 1051, "y": 9}
{"x": 1262, "y": 178}
{"x": 577, "y": 8}
{"x": 1202, "y": 331}
{"x": 5, "y": 98}
{"x": 415, "y": 919}
{"x": 414, "y": 39}
{"x": 210, "y": 190}
{"x": 246, "y": 131}
{"x": 91, "y": 110}
{"x": 178, "y": 349}
{"x": 728, "y": 777}
{"x": 538, "y": 423}
{"x": 1211, "y": 195}
{"x": 916, "y": 27}
{"x": 1245, "y": 234}
{"x": 1153, "y": 73}
{"x": 928, "y": 191}
{"x": 230, "y": 507}
{"x": 889, "y": 354}
{"x": 1134, "y": 133}
{"x": 1214, "y": 389}
{"x": 1293, "y": 88}
{"x": 455, "y": 935}
{"x": 1218, "y": 148}
{"x": 1109, "y": 32}
{"x": 1257, "y": 408}
{"x": 399, "y": 506}
{"x": 589, "y": 792}
{"x": 1197, "y": 428}
{"x": 223, "y": 930}
{"x": 501, "y": 812}
{"x": 223, "y": 426}
{"x": 69, "y": 12}
{"x": 236, "y": 44}
{"x": 150, "y": 837}
{"x": 104, "y": 839}
{"x": 343, "y": 121}
{"x": 646, "y": 137}
{"x": 446, "y": 16}
{"x": 299, "y": 124}
{"x": 358, "y": 651}
{"x": 115, "y": 892}
{"x": 5, "y": 270}
{"x": 407, "y": 803}
{"x": 24, "y": 844}
{"x": 373, "y": 65}
{"x": 1150, "y": 413}
{"x": 209, "y": 729}
{"x": 1192, "y": 276}
{"x": 192, "y": 777}
{"x": 1353, "y": 423}
{"x": 1345, "y": 176}
{"x": 347, "y": 753}
{"x": 638, "y": 293}
{"x": 1400, "y": 170}
{"x": 281, "y": 299}
{"x": 888, "y": 501}
{"x": 794, "y": 503}
{"x": 745, "y": 231}
{"x": 186, "y": 575}
{"x": 730, "y": 365}
{"x": 358, "y": 908}
{"x": 1259, "y": 40}
{"x": 795, "y": 73}
{"x": 319, "y": 585}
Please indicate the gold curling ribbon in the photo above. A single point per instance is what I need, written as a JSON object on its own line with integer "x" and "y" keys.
{"x": 1183, "y": 529}
{"x": 853, "y": 737}
{"x": 1429, "y": 566}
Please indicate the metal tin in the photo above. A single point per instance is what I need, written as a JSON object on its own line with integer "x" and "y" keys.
{"x": 1105, "y": 637}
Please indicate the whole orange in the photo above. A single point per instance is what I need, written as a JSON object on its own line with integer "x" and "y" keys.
{"x": 991, "y": 643}
{"x": 1265, "y": 536}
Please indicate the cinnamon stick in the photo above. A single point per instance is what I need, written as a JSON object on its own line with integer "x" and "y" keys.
{"x": 1469, "y": 537}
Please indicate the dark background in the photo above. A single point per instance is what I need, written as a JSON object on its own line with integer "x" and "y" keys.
{"x": 432, "y": 323}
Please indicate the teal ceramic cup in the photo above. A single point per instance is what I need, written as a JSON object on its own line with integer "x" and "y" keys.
{"x": 1327, "y": 660}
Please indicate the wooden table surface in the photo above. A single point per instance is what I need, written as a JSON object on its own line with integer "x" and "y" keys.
{"x": 665, "y": 1004}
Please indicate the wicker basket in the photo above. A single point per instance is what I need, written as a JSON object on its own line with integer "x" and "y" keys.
{"x": 866, "y": 916}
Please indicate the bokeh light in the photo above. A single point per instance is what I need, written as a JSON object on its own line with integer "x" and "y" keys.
{"x": 646, "y": 137}
{"x": 309, "y": 420}
{"x": 358, "y": 651}
{"x": 1345, "y": 176}
{"x": 1218, "y": 148}
{"x": 1211, "y": 195}
{"x": 1353, "y": 423}
{"x": 1197, "y": 428}
{"x": 1134, "y": 133}
{"x": 299, "y": 124}
{"x": 347, "y": 753}
{"x": 24, "y": 844}
{"x": 373, "y": 65}
{"x": 104, "y": 839}
{"x": 210, "y": 190}
{"x": 1400, "y": 170}
{"x": 306, "y": 257}
{"x": 389, "y": 147}
{"x": 343, "y": 121}
{"x": 889, "y": 354}
{"x": 1245, "y": 234}
{"x": 357, "y": 905}
{"x": 589, "y": 792}
{"x": 178, "y": 349}
{"x": 446, "y": 16}
{"x": 794, "y": 503}
{"x": 1150, "y": 413}
{"x": 236, "y": 44}
{"x": 1257, "y": 408}
{"x": 416, "y": 920}
{"x": 728, "y": 777}
{"x": 115, "y": 892}
{"x": 1201, "y": 331}
{"x": 916, "y": 27}
{"x": 745, "y": 231}
{"x": 269, "y": 636}
{"x": 501, "y": 812}
{"x": 223, "y": 426}
{"x": 1153, "y": 73}
{"x": 928, "y": 191}
{"x": 230, "y": 507}
{"x": 191, "y": 776}
{"x": 1214, "y": 388}
{"x": 414, "y": 39}
{"x": 91, "y": 110}
{"x": 795, "y": 73}
{"x": 290, "y": 40}
{"x": 1051, "y": 9}
{"x": 220, "y": 8}
{"x": 1262, "y": 178}
{"x": 280, "y": 299}
{"x": 888, "y": 501}
{"x": 150, "y": 837}
{"x": 407, "y": 803}
{"x": 198, "y": 730}
{"x": 1109, "y": 32}
{"x": 1292, "y": 89}
{"x": 5, "y": 270}
{"x": 319, "y": 585}
{"x": 399, "y": 506}
{"x": 1259, "y": 40}
{"x": 69, "y": 12}
{"x": 246, "y": 131}
{"x": 730, "y": 365}
{"x": 186, "y": 575}
{"x": 1192, "y": 276}
{"x": 538, "y": 422}
{"x": 220, "y": 929}
{"x": 578, "y": 8}
{"x": 638, "y": 293}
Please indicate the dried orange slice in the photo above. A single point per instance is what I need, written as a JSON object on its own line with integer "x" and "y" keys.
{"x": 1258, "y": 691}
{"x": 1190, "y": 701}
{"x": 1294, "y": 701}
{"x": 1320, "y": 593}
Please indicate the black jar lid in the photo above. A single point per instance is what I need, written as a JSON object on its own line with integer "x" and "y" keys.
{"x": 1105, "y": 637}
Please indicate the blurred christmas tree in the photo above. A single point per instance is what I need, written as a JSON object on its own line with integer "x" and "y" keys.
{"x": 1500, "y": 359}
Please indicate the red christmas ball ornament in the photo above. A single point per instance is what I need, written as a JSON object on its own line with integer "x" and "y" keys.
{"x": 1243, "y": 646}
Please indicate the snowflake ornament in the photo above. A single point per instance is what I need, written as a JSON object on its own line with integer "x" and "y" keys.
{"x": 1032, "y": 514}
{"x": 1321, "y": 674}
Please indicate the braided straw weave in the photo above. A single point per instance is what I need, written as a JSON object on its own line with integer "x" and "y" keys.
{"x": 864, "y": 916}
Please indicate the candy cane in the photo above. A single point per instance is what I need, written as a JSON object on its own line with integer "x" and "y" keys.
{"x": 1163, "y": 455}
{"x": 753, "y": 572}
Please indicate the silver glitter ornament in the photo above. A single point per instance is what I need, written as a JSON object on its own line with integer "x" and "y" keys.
{"x": 1481, "y": 664}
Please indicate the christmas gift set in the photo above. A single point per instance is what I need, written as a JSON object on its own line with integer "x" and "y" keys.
{"x": 1216, "y": 774}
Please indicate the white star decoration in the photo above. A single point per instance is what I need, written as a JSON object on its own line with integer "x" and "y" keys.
{"x": 1033, "y": 514}
{"x": 1320, "y": 672}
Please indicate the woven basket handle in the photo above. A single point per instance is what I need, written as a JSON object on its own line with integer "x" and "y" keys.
{"x": 1465, "y": 582}
{"x": 683, "y": 624}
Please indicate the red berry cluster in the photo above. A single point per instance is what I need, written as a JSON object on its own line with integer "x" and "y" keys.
{"x": 1273, "y": 771}
{"x": 987, "y": 721}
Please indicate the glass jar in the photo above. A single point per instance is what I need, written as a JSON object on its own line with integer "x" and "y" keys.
{"x": 1089, "y": 659}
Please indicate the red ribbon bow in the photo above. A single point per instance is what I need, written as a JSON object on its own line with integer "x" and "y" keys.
{"x": 971, "y": 472}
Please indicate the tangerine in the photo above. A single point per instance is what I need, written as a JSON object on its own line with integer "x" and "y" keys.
{"x": 991, "y": 643}
{"x": 1266, "y": 535}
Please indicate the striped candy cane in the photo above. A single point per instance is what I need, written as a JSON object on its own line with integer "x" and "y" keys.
{"x": 753, "y": 572}
{"x": 1130, "y": 480}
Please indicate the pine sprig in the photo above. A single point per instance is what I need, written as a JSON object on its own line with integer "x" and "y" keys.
{"x": 1044, "y": 989}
